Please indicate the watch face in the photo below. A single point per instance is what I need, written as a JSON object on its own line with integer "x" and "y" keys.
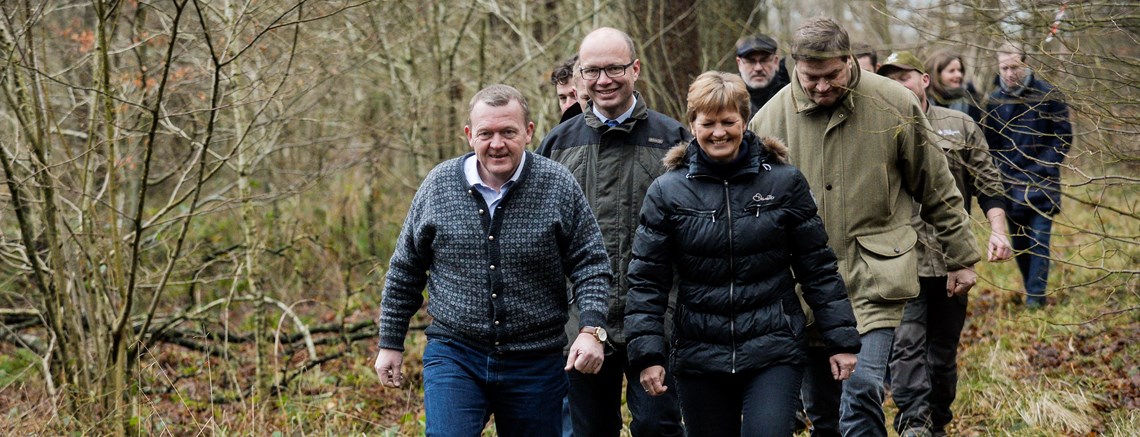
{"x": 601, "y": 334}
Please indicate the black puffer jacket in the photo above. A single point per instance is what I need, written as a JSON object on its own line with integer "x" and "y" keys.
{"x": 735, "y": 241}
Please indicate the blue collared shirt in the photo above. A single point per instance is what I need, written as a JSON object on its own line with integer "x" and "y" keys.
{"x": 621, "y": 118}
{"x": 492, "y": 197}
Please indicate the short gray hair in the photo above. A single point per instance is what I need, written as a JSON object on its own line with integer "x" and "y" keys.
{"x": 499, "y": 95}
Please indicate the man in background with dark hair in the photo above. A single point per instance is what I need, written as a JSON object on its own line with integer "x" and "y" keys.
{"x": 565, "y": 87}
{"x": 865, "y": 56}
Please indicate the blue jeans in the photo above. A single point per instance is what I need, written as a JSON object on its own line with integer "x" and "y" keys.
{"x": 567, "y": 426}
{"x": 853, "y": 407}
{"x": 464, "y": 387}
{"x": 924, "y": 362}
{"x": 595, "y": 402}
{"x": 1029, "y": 236}
{"x": 713, "y": 405}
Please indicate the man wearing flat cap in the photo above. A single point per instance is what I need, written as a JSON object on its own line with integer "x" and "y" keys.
{"x": 757, "y": 58}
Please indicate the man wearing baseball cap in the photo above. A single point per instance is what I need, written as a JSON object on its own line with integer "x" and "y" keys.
{"x": 757, "y": 58}
{"x": 924, "y": 372}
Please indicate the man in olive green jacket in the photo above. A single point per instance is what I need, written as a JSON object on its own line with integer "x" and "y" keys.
{"x": 866, "y": 149}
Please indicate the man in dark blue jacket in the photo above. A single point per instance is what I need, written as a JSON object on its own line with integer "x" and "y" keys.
{"x": 1028, "y": 130}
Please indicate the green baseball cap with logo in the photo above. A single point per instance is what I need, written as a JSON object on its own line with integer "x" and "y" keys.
{"x": 903, "y": 60}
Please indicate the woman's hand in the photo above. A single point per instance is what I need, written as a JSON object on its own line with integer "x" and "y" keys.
{"x": 842, "y": 366}
{"x": 653, "y": 380}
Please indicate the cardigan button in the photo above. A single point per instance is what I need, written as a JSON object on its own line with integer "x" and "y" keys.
{"x": 492, "y": 267}
{"x": 481, "y": 211}
{"x": 494, "y": 295}
{"x": 496, "y": 323}
{"x": 491, "y": 237}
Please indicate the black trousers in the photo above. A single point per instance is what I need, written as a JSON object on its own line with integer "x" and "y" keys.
{"x": 595, "y": 402}
{"x": 924, "y": 360}
{"x": 751, "y": 404}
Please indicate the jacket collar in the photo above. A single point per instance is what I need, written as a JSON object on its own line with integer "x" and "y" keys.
{"x": 762, "y": 152}
{"x": 802, "y": 103}
{"x": 640, "y": 113}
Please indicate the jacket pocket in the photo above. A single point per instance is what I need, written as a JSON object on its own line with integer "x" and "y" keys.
{"x": 699, "y": 213}
{"x": 794, "y": 322}
{"x": 887, "y": 266}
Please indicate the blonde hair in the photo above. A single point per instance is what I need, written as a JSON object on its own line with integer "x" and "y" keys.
{"x": 715, "y": 91}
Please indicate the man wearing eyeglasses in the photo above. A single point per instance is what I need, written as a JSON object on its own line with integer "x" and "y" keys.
{"x": 614, "y": 150}
{"x": 758, "y": 60}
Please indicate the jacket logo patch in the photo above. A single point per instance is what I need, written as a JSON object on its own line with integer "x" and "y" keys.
{"x": 762, "y": 198}
{"x": 656, "y": 140}
{"x": 949, "y": 132}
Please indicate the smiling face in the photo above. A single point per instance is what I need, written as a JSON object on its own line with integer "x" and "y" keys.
{"x": 824, "y": 80}
{"x": 719, "y": 134}
{"x": 951, "y": 76}
{"x": 499, "y": 135}
{"x": 606, "y": 48}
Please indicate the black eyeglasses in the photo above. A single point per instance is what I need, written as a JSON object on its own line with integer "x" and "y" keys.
{"x": 612, "y": 71}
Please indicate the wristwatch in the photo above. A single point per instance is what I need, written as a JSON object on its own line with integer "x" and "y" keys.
{"x": 598, "y": 332}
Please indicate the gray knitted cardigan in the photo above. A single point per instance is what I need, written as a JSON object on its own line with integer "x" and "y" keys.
{"x": 497, "y": 285}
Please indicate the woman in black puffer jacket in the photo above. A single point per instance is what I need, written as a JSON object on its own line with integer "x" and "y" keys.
{"x": 737, "y": 227}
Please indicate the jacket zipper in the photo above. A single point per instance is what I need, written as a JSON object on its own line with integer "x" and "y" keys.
{"x": 732, "y": 275}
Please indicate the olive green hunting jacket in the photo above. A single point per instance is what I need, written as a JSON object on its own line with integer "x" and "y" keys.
{"x": 968, "y": 155}
{"x": 868, "y": 159}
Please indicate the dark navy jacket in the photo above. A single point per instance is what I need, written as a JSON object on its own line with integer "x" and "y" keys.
{"x": 1029, "y": 133}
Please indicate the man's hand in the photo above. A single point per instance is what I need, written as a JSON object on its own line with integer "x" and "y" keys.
{"x": 842, "y": 366}
{"x": 388, "y": 363}
{"x": 959, "y": 282}
{"x": 586, "y": 354}
{"x": 653, "y": 380}
{"x": 998, "y": 248}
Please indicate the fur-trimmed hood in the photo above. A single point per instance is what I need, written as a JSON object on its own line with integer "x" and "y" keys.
{"x": 773, "y": 147}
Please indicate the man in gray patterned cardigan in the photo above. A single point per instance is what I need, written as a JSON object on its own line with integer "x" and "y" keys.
{"x": 500, "y": 230}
